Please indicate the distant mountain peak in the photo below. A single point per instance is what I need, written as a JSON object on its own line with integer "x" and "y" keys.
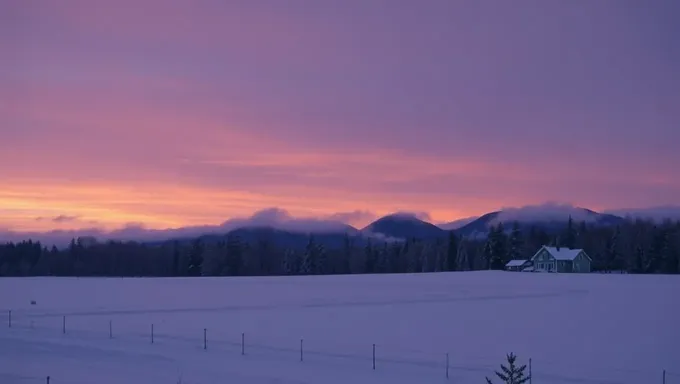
{"x": 549, "y": 216}
{"x": 403, "y": 225}
{"x": 406, "y": 216}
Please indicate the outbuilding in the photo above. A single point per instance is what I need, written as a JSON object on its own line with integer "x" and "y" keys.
{"x": 517, "y": 265}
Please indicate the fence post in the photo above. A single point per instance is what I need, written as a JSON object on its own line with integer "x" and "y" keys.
{"x": 10, "y": 318}
{"x": 447, "y": 365}
{"x": 373, "y": 356}
{"x": 110, "y": 330}
{"x": 48, "y": 380}
{"x": 243, "y": 343}
{"x": 301, "y": 358}
{"x": 664, "y": 376}
{"x": 63, "y": 325}
{"x": 205, "y": 338}
{"x": 530, "y": 374}
{"x": 151, "y": 333}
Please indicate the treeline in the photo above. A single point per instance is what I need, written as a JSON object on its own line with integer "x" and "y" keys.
{"x": 633, "y": 247}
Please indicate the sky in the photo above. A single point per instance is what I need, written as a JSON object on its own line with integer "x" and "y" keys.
{"x": 167, "y": 113}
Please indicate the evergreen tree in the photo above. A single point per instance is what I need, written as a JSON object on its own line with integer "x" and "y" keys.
{"x": 638, "y": 260}
{"x": 309, "y": 258}
{"x": 465, "y": 263}
{"x": 636, "y": 246}
{"x": 234, "y": 257}
{"x": 370, "y": 261}
{"x": 321, "y": 266}
{"x": 669, "y": 254}
{"x": 413, "y": 256}
{"x": 612, "y": 252}
{"x": 495, "y": 248}
{"x": 488, "y": 250}
{"x": 346, "y": 255}
{"x": 175, "y": 259}
{"x": 570, "y": 235}
{"x": 196, "y": 258}
{"x": 515, "y": 243}
{"x": 424, "y": 260}
{"x": 291, "y": 263}
{"x": 75, "y": 250}
{"x": 384, "y": 260}
{"x": 396, "y": 262}
{"x": 511, "y": 374}
{"x": 452, "y": 253}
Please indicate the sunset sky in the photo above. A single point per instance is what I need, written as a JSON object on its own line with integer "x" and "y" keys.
{"x": 172, "y": 113}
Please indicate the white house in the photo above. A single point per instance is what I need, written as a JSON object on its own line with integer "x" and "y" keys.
{"x": 558, "y": 259}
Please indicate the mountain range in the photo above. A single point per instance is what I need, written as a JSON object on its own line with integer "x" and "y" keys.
{"x": 277, "y": 226}
{"x": 402, "y": 226}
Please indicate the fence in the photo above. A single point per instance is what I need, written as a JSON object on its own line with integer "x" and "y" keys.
{"x": 374, "y": 357}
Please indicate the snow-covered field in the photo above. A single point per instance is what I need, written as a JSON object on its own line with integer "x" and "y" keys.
{"x": 576, "y": 328}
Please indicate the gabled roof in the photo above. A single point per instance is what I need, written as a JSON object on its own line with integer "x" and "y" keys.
{"x": 516, "y": 263}
{"x": 562, "y": 253}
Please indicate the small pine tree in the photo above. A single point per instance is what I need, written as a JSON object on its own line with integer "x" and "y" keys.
{"x": 511, "y": 374}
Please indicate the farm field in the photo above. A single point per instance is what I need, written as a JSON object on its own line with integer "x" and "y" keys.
{"x": 588, "y": 328}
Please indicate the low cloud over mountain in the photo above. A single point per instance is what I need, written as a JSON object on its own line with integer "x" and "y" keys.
{"x": 272, "y": 217}
{"x": 452, "y": 225}
{"x": 397, "y": 226}
{"x": 658, "y": 214}
{"x": 546, "y": 212}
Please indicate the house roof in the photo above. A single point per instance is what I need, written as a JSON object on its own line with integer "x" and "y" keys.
{"x": 515, "y": 263}
{"x": 561, "y": 253}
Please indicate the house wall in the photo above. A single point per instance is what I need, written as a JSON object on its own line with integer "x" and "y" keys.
{"x": 581, "y": 263}
{"x": 543, "y": 260}
{"x": 564, "y": 266}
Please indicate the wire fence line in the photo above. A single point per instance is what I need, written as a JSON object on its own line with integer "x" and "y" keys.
{"x": 371, "y": 357}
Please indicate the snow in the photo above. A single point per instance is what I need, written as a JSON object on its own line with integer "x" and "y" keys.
{"x": 563, "y": 253}
{"x": 515, "y": 263}
{"x": 576, "y": 328}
